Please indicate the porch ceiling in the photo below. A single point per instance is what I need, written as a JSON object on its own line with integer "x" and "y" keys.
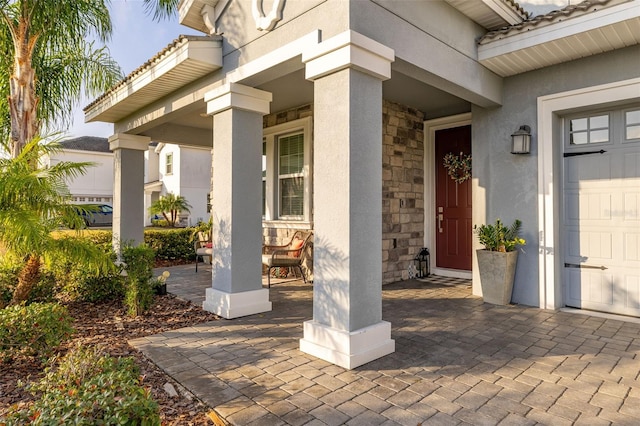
{"x": 580, "y": 31}
{"x": 191, "y": 126}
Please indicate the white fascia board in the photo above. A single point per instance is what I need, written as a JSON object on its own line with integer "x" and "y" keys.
{"x": 504, "y": 11}
{"x": 552, "y": 32}
{"x": 235, "y": 95}
{"x": 85, "y": 152}
{"x": 348, "y": 49}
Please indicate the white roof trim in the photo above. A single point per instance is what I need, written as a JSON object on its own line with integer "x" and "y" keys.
{"x": 504, "y": 11}
{"x": 186, "y": 60}
{"x": 155, "y": 186}
{"x": 559, "y": 30}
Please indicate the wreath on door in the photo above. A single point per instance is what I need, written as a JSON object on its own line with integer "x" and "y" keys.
{"x": 458, "y": 166}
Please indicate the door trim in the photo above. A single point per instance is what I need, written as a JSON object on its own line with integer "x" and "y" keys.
{"x": 430, "y": 128}
{"x": 551, "y": 108}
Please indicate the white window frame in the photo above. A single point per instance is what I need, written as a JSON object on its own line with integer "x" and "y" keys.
{"x": 271, "y": 136}
{"x": 168, "y": 163}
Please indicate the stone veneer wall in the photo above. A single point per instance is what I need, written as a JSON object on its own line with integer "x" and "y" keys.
{"x": 402, "y": 189}
{"x": 276, "y": 235}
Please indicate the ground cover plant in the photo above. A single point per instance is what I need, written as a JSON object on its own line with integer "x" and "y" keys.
{"x": 87, "y": 386}
{"x": 72, "y": 307}
{"x": 33, "y": 330}
{"x": 106, "y": 323}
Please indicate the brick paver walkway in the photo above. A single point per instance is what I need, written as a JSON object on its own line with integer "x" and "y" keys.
{"x": 457, "y": 361}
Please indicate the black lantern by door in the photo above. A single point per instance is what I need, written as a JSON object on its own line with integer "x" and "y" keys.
{"x": 421, "y": 262}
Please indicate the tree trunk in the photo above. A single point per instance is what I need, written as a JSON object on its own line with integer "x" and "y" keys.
{"x": 27, "y": 279}
{"x": 22, "y": 98}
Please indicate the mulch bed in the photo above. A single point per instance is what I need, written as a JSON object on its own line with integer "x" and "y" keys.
{"x": 108, "y": 324}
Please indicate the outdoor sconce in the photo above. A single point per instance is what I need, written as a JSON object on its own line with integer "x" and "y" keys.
{"x": 521, "y": 140}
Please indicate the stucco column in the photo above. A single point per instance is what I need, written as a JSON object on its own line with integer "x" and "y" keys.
{"x": 128, "y": 189}
{"x": 347, "y": 327}
{"x": 236, "y": 198}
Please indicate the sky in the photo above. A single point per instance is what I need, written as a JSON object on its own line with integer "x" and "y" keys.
{"x": 137, "y": 38}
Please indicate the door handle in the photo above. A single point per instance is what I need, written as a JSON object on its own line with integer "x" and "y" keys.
{"x": 440, "y": 219}
{"x": 581, "y": 266}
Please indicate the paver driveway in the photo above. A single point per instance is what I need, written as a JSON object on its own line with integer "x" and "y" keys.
{"x": 457, "y": 361}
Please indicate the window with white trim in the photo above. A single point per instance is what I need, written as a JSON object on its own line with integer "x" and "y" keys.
{"x": 291, "y": 175}
{"x": 169, "y": 164}
{"x": 286, "y": 171}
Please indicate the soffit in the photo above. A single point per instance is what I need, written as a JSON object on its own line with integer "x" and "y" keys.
{"x": 189, "y": 12}
{"x": 185, "y": 60}
{"x": 586, "y": 29}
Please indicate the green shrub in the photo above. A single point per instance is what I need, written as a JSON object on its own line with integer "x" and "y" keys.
{"x": 8, "y": 280}
{"x": 160, "y": 222}
{"x": 171, "y": 244}
{"x": 79, "y": 283}
{"x": 89, "y": 387}
{"x": 44, "y": 290}
{"x": 93, "y": 287}
{"x": 34, "y": 329}
{"x": 139, "y": 289}
{"x": 99, "y": 237}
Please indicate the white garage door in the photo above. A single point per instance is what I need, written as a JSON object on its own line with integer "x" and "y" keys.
{"x": 601, "y": 215}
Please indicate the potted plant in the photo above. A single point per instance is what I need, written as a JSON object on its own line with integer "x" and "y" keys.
{"x": 497, "y": 261}
{"x": 202, "y": 229}
{"x": 159, "y": 284}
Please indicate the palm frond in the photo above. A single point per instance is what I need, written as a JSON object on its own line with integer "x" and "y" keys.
{"x": 161, "y": 9}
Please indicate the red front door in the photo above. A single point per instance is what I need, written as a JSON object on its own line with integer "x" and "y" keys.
{"x": 453, "y": 203}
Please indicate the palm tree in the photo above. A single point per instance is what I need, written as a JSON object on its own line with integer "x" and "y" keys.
{"x": 170, "y": 206}
{"x": 47, "y": 63}
{"x": 161, "y": 9}
{"x": 33, "y": 203}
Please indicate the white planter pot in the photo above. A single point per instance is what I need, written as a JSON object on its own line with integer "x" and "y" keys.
{"x": 497, "y": 271}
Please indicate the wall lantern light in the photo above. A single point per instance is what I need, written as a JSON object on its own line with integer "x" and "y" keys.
{"x": 521, "y": 140}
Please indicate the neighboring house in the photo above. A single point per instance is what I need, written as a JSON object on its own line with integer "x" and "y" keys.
{"x": 181, "y": 170}
{"x": 344, "y": 111}
{"x": 96, "y": 185}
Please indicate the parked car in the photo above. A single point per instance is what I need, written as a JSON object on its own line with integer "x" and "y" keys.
{"x": 96, "y": 214}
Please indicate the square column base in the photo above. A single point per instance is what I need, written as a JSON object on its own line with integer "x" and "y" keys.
{"x": 235, "y": 305}
{"x": 347, "y": 349}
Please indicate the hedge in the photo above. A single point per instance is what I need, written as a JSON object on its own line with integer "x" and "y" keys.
{"x": 169, "y": 244}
